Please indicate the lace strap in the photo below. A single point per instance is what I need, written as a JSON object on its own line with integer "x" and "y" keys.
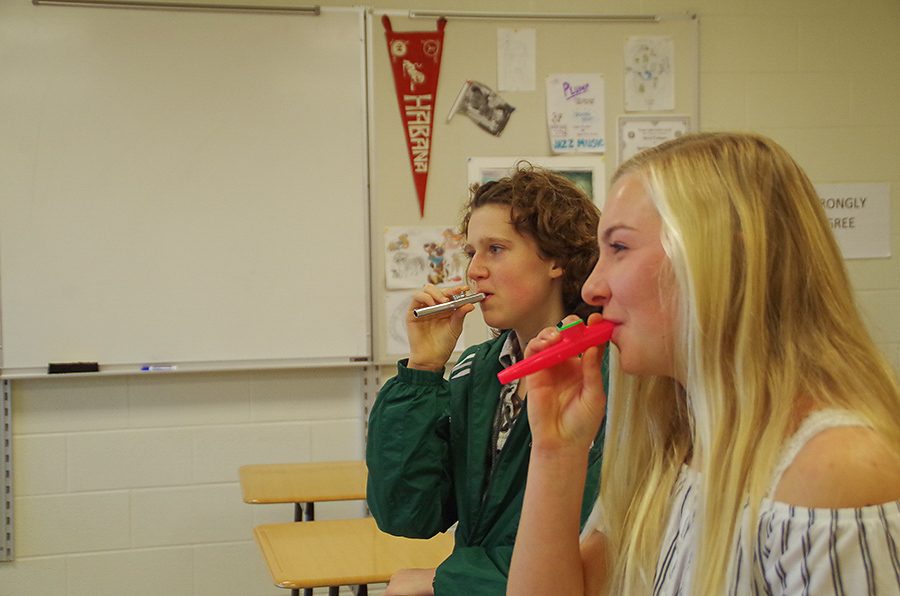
{"x": 812, "y": 425}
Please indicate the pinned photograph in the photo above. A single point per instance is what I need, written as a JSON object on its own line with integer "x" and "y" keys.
{"x": 483, "y": 105}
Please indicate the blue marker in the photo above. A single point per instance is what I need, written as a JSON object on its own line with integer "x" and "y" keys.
{"x": 158, "y": 368}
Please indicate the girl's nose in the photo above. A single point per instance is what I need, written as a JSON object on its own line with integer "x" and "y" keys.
{"x": 595, "y": 290}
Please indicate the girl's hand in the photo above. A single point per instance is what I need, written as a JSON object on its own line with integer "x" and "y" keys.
{"x": 432, "y": 339}
{"x": 566, "y": 403}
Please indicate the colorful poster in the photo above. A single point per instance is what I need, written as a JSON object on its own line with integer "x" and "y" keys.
{"x": 415, "y": 256}
{"x": 587, "y": 172}
{"x": 575, "y": 113}
{"x": 416, "y": 63}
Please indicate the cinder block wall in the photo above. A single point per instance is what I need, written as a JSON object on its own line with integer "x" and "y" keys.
{"x": 128, "y": 485}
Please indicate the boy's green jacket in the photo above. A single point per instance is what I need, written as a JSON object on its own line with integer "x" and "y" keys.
{"x": 428, "y": 456}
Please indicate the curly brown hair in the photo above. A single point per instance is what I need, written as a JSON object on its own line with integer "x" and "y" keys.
{"x": 553, "y": 211}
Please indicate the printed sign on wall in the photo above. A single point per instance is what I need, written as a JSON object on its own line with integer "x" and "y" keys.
{"x": 860, "y": 217}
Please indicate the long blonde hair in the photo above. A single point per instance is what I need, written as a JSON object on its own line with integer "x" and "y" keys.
{"x": 766, "y": 316}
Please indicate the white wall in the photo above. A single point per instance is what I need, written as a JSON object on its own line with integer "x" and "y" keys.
{"x": 128, "y": 485}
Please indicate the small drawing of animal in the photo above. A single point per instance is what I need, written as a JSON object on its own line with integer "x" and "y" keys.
{"x": 400, "y": 243}
{"x": 412, "y": 72}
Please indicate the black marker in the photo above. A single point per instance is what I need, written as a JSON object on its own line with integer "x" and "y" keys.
{"x": 457, "y": 301}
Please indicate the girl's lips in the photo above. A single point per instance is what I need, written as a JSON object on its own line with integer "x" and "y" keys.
{"x": 615, "y": 332}
{"x": 614, "y": 322}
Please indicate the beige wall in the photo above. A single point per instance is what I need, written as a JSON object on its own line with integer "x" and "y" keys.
{"x": 128, "y": 485}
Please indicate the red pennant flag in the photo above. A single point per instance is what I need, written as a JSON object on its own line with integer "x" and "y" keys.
{"x": 416, "y": 62}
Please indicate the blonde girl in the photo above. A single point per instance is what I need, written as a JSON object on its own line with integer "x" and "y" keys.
{"x": 753, "y": 439}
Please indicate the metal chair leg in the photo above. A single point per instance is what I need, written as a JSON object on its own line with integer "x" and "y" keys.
{"x": 299, "y": 517}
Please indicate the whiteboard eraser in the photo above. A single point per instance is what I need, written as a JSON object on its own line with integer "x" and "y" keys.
{"x": 58, "y": 368}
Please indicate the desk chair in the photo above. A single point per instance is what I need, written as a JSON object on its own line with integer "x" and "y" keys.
{"x": 303, "y": 485}
{"x": 346, "y": 552}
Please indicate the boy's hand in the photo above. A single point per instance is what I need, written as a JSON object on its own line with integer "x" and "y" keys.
{"x": 432, "y": 339}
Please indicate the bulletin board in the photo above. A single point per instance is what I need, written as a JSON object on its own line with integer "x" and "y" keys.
{"x": 182, "y": 188}
{"x": 470, "y": 52}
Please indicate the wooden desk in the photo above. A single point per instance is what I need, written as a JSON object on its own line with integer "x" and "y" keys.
{"x": 342, "y": 552}
{"x": 304, "y": 483}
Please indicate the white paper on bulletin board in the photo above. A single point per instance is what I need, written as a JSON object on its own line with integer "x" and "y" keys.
{"x": 576, "y": 113}
{"x": 649, "y": 73}
{"x": 860, "y": 217}
{"x": 515, "y": 59}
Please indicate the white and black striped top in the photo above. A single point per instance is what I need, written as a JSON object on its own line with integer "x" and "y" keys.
{"x": 795, "y": 550}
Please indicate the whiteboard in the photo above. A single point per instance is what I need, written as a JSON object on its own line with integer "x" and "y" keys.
{"x": 182, "y": 187}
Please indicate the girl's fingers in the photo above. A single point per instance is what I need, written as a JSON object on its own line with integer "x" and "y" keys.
{"x": 545, "y": 338}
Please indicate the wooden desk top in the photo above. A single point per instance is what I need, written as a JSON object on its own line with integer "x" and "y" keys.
{"x": 304, "y": 483}
{"x": 342, "y": 552}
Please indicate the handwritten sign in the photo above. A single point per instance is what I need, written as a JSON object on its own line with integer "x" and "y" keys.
{"x": 575, "y": 113}
{"x": 860, "y": 217}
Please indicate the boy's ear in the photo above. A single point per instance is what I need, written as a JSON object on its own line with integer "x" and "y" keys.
{"x": 556, "y": 270}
